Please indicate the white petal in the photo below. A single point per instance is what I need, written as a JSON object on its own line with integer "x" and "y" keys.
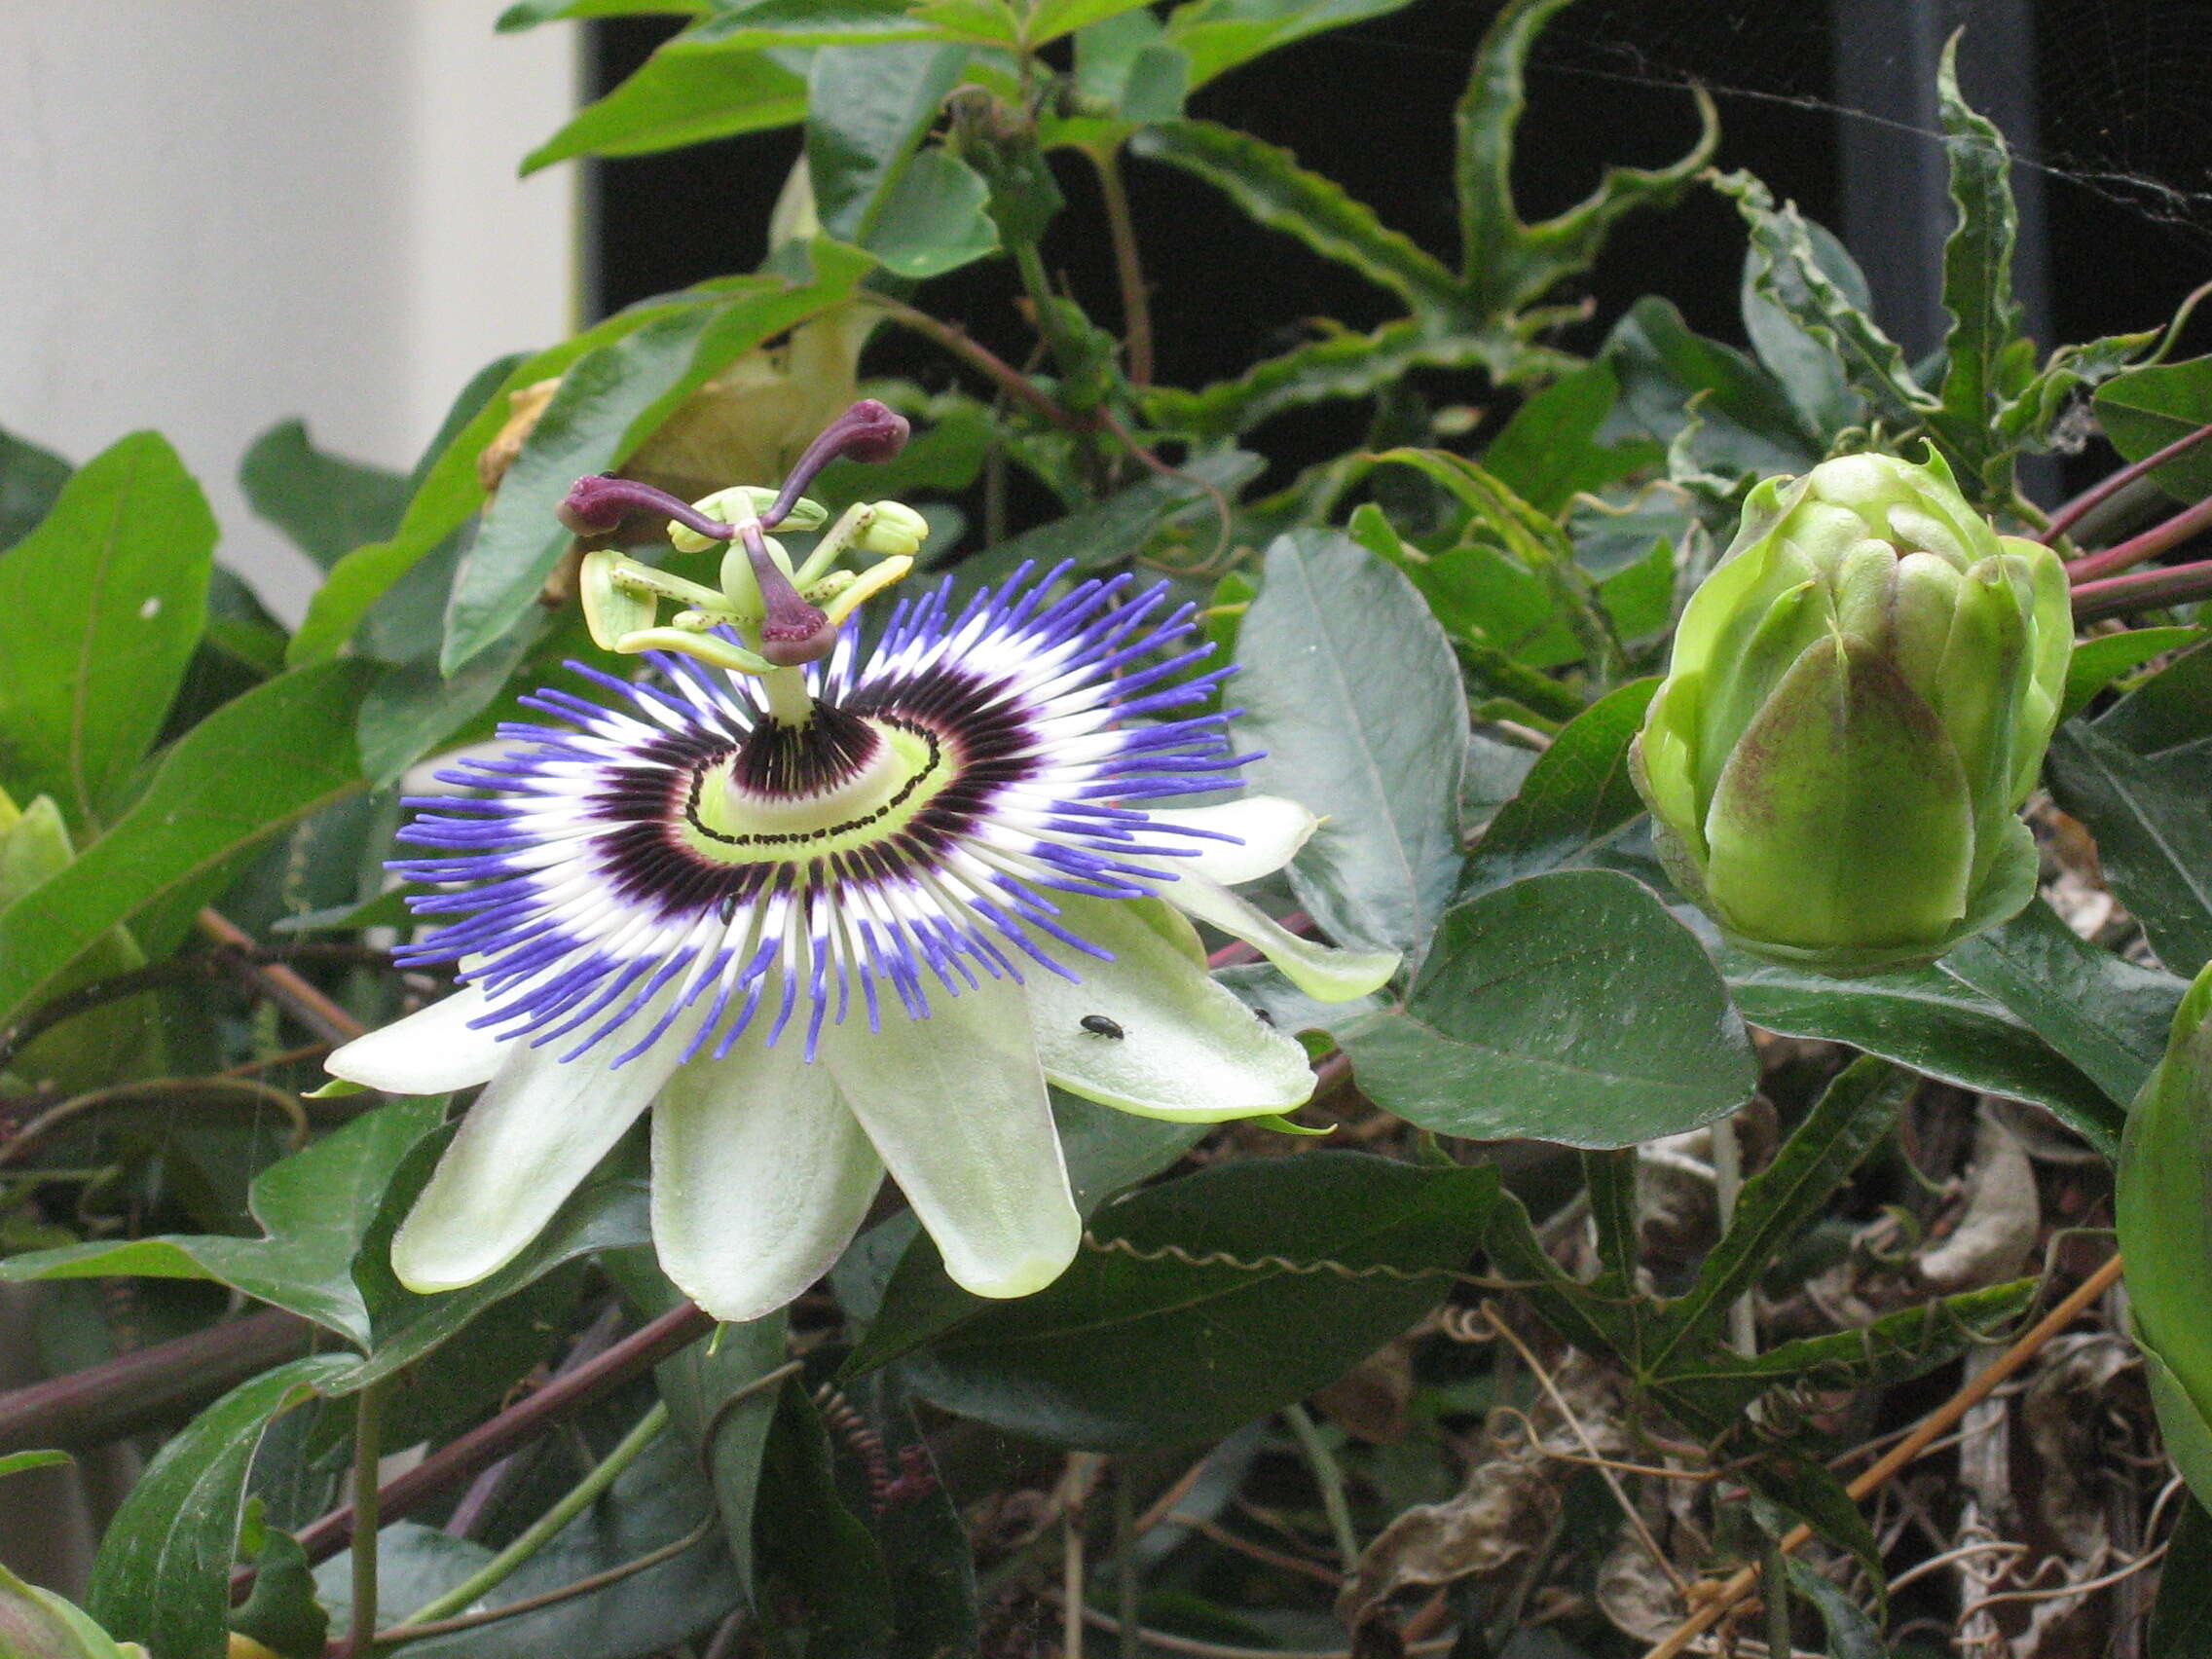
{"x": 430, "y": 1052}
{"x": 1321, "y": 971}
{"x": 533, "y": 1133}
{"x": 1188, "y": 1049}
{"x": 956, "y": 1105}
{"x": 1269, "y": 829}
{"x": 760, "y": 1177}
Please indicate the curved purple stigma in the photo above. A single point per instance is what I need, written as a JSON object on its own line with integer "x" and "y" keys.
{"x": 869, "y": 432}
{"x": 792, "y": 631}
{"x": 596, "y": 503}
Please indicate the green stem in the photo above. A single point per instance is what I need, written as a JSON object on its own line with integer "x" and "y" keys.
{"x": 1775, "y": 1573}
{"x": 1128, "y": 266}
{"x": 546, "y": 1527}
{"x": 368, "y": 1453}
{"x": 1330, "y": 1478}
{"x": 1128, "y": 1582}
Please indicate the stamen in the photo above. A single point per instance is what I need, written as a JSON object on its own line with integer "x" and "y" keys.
{"x": 596, "y": 503}
{"x": 869, "y": 432}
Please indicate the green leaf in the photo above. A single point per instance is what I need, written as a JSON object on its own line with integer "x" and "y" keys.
{"x": 609, "y": 402}
{"x": 100, "y": 607}
{"x": 1810, "y": 373}
{"x": 812, "y": 23}
{"x": 1270, "y": 186}
{"x": 258, "y": 763}
{"x": 32, "y": 481}
{"x": 2154, "y": 838}
{"x": 1575, "y": 798}
{"x": 1550, "y": 451}
{"x": 2146, "y": 409}
{"x": 325, "y": 505}
{"x": 1791, "y": 274}
{"x": 820, "y": 1567}
{"x": 1977, "y": 286}
{"x": 1851, "y": 1635}
{"x": 16, "y": 1462}
{"x": 1219, "y": 35}
{"x": 2181, "y": 1618}
{"x": 866, "y": 108}
{"x": 1932, "y": 1021}
{"x": 313, "y": 1208}
{"x": 1349, "y": 686}
{"x": 678, "y": 98}
{"x": 281, "y": 1611}
{"x": 1315, "y": 1261}
{"x": 1337, "y": 366}
{"x": 1121, "y": 527}
{"x": 1487, "y": 603}
{"x": 446, "y": 488}
{"x": 529, "y": 13}
{"x": 1567, "y": 1007}
{"x": 1670, "y": 376}
{"x": 162, "y": 1574}
{"x": 2096, "y": 663}
{"x": 933, "y": 220}
{"x": 2102, "y": 1011}
{"x": 1505, "y": 263}
{"x": 412, "y": 709}
{"x": 1048, "y": 20}
{"x": 1857, "y": 1110}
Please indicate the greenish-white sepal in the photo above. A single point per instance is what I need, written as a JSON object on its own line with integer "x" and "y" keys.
{"x": 534, "y": 1135}
{"x": 1282, "y": 1125}
{"x": 1188, "y": 1049}
{"x": 760, "y": 1177}
{"x": 956, "y": 1107}
{"x": 434, "y": 1050}
{"x": 1268, "y": 831}
{"x": 1322, "y": 972}
{"x": 337, "y": 1088}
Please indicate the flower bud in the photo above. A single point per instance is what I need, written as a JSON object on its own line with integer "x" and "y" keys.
{"x": 38, "y": 1624}
{"x": 1858, "y": 700}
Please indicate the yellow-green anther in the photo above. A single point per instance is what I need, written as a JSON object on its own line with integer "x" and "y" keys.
{"x": 1858, "y": 700}
{"x": 738, "y": 504}
{"x": 894, "y": 528}
{"x": 707, "y": 647}
{"x": 864, "y": 587}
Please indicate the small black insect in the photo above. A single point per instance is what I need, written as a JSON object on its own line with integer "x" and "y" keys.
{"x": 1098, "y": 1026}
{"x": 1264, "y": 1016}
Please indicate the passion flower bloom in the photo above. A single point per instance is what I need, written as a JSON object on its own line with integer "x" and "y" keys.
{"x": 840, "y": 918}
{"x": 1859, "y": 701}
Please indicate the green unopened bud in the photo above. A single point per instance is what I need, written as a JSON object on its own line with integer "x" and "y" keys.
{"x": 894, "y": 528}
{"x": 1858, "y": 700}
{"x": 37, "y": 1624}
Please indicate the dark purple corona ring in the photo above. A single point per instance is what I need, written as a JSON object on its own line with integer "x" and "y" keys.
{"x": 680, "y": 854}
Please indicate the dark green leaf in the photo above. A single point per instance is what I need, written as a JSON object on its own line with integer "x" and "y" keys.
{"x": 1351, "y": 687}
{"x": 1218, "y": 35}
{"x": 260, "y": 762}
{"x": 2170, "y": 710}
{"x": 314, "y": 1208}
{"x": 2146, "y": 409}
{"x": 1270, "y": 186}
{"x": 1977, "y": 284}
{"x": 410, "y": 709}
{"x": 820, "y": 1567}
{"x": 1857, "y": 1109}
{"x": 866, "y": 108}
{"x": 923, "y": 1534}
{"x": 30, "y": 483}
{"x": 1851, "y": 1635}
{"x": 2096, "y": 663}
{"x": 162, "y": 1574}
{"x": 1745, "y": 421}
{"x": 808, "y": 22}
{"x": 677, "y": 98}
{"x": 1809, "y": 371}
{"x": 325, "y": 505}
{"x": 1507, "y": 264}
{"x": 609, "y": 402}
{"x": 932, "y": 219}
{"x": 1576, "y": 798}
{"x": 100, "y": 606}
{"x": 1567, "y": 1007}
{"x": 2154, "y": 836}
{"x": 2181, "y": 1619}
{"x": 1932, "y": 1021}
{"x": 1315, "y": 1261}
{"x": 16, "y": 1462}
{"x": 529, "y": 13}
{"x": 2102, "y": 1011}
{"x": 1549, "y": 451}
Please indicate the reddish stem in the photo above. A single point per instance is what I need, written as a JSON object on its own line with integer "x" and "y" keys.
{"x": 2136, "y": 549}
{"x": 2073, "y": 512}
{"x": 2145, "y": 590}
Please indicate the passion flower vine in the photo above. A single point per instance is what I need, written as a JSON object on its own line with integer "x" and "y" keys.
{"x": 831, "y": 911}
